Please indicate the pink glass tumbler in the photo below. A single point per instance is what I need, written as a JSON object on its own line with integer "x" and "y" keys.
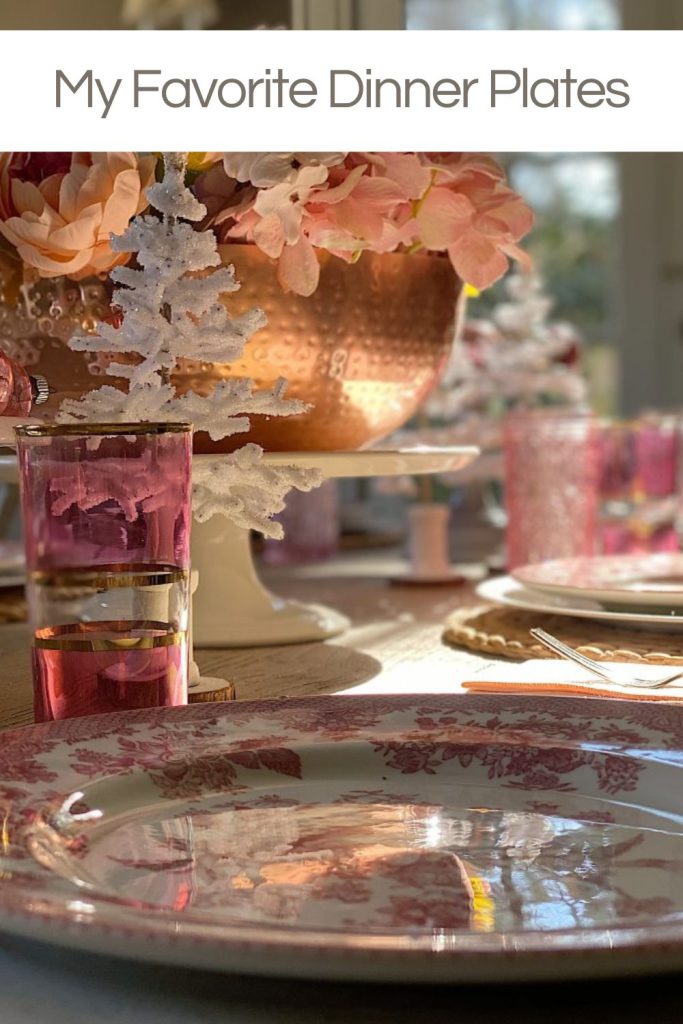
{"x": 552, "y": 470}
{"x": 106, "y": 512}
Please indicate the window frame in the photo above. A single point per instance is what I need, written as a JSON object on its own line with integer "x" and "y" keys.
{"x": 348, "y": 14}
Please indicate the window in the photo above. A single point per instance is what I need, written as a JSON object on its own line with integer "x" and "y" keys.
{"x": 513, "y": 14}
{"x": 576, "y": 199}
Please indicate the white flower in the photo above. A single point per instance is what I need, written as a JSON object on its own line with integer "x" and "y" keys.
{"x": 267, "y": 169}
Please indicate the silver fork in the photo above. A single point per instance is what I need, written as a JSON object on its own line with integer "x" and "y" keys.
{"x": 598, "y": 669}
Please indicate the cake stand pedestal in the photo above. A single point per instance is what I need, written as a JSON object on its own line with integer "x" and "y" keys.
{"x": 203, "y": 688}
{"x": 232, "y": 607}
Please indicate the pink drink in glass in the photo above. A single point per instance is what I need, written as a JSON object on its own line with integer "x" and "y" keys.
{"x": 106, "y": 521}
{"x": 70, "y": 682}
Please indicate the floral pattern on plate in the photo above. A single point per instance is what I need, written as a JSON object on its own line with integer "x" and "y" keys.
{"x": 411, "y": 837}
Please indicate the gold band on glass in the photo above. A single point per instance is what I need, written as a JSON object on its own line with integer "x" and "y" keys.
{"x": 74, "y": 636}
{"x": 98, "y": 429}
{"x": 110, "y": 577}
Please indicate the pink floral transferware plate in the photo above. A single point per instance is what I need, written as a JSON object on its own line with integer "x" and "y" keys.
{"x": 638, "y": 581}
{"x": 447, "y": 838}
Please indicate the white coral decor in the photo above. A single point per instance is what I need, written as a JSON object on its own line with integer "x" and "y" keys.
{"x": 172, "y": 311}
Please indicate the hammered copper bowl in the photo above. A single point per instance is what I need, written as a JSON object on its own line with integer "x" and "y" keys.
{"x": 364, "y": 350}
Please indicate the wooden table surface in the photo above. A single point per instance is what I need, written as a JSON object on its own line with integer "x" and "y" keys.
{"x": 394, "y": 643}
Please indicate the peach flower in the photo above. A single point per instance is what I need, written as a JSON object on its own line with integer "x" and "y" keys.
{"x": 61, "y": 225}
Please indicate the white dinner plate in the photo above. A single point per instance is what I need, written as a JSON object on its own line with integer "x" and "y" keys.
{"x": 508, "y": 591}
{"x": 634, "y": 581}
{"x": 414, "y": 838}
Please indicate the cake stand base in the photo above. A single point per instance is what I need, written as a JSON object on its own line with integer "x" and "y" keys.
{"x": 232, "y": 608}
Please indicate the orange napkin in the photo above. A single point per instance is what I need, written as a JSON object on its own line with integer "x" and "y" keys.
{"x": 546, "y": 676}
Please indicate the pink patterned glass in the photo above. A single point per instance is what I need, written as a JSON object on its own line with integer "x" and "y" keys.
{"x": 551, "y": 485}
{"x": 106, "y": 511}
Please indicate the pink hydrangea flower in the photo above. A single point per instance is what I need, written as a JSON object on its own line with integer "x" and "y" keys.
{"x": 478, "y": 222}
{"x": 455, "y": 203}
{"x": 282, "y": 218}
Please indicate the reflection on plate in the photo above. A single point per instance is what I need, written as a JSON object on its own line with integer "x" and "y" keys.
{"x": 424, "y": 838}
{"x": 636, "y": 581}
{"x": 507, "y": 591}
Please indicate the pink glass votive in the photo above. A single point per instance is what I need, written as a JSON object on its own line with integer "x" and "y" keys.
{"x": 618, "y": 465}
{"x": 656, "y": 441}
{"x": 106, "y": 513}
{"x": 640, "y": 485}
{"x": 311, "y": 524}
{"x": 551, "y": 485}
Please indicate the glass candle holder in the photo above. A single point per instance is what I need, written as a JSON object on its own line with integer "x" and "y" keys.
{"x": 311, "y": 525}
{"x": 106, "y": 513}
{"x": 552, "y": 470}
{"x": 657, "y": 452}
{"x": 640, "y": 488}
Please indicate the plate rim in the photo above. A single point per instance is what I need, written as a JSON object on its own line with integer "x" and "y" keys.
{"x": 488, "y": 591}
{"x": 611, "y": 594}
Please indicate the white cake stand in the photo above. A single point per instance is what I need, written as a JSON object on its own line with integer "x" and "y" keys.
{"x": 231, "y": 606}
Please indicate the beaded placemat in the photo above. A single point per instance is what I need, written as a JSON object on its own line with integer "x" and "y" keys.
{"x": 490, "y": 629}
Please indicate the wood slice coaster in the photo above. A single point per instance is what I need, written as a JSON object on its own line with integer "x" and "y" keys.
{"x": 490, "y": 629}
{"x": 210, "y": 690}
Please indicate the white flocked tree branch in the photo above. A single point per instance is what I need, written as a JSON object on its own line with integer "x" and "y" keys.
{"x": 173, "y": 308}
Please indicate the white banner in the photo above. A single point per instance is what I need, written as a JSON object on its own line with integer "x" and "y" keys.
{"x": 505, "y": 91}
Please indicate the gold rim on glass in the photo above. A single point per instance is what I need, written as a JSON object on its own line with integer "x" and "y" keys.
{"x": 98, "y": 429}
{"x": 74, "y": 636}
{"x": 111, "y": 577}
